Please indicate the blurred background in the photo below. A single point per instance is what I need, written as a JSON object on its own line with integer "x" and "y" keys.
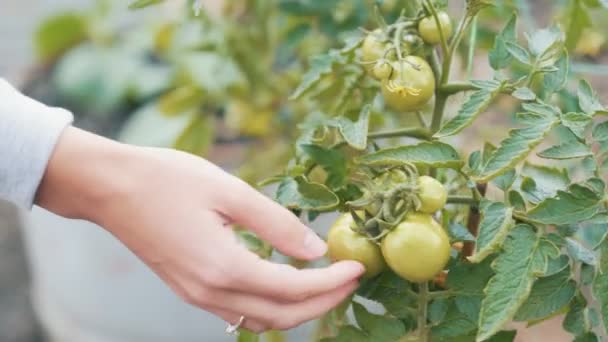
{"x": 215, "y": 85}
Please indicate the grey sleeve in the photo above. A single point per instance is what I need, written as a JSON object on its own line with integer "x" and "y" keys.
{"x": 29, "y": 131}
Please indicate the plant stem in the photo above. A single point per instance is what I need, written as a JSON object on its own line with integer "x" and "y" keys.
{"x": 473, "y": 222}
{"x": 442, "y": 37}
{"x": 456, "y": 87}
{"x": 463, "y": 200}
{"x": 412, "y": 132}
{"x": 422, "y": 311}
{"x": 440, "y": 101}
{"x": 447, "y": 59}
{"x": 472, "y": 44}
{"x": 440, "y": 294}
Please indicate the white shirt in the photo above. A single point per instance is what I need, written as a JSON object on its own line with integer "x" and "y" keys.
{"x": 29, "y": 131}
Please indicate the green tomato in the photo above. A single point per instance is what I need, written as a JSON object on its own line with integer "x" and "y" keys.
{"x": 382, "y": 70}
{"x": 373, "y": 47}
{"x": 346, "y": 244}
{"x": 429, "y": 31}
{"x": 411, "y": 85}
{"x": 417, "y": 249}
{"x": 432, "y": 194}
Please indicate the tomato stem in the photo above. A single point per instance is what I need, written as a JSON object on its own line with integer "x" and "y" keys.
{"x": 411, "y": 132}
{"x": 456, "y": 87}
{"x": 442, "y": 38}
{"x": 456, "y": 199}
{"x": 423, "y": 292}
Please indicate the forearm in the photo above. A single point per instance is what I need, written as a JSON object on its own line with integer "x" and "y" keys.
{"x": 84, "y": 173}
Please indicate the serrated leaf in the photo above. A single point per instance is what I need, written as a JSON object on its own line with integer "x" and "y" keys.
{"x": 499, "y": 56}
{"x": 331, "y": 160}
{"x": 578, "y": 204}
{"x": 519, "y": 53}
{"x": 390, "y": 290}
{"x": 496, "y": 220}
{"x": 459, "y": 232}
{"x": 516, "y": 269}
{"x": 301, "y": 194}
{"x": 355, "y": 133}
{"x": 569, "y": 150}
{"x": 144, "y": 3}
{"x": 524, "y": 94}
{"x": 556, "y": 265}
{"x": 548, "y": 296}
{"x": 432, "y": 154}
{"x": 576, "y": 122}
{"x": 579, "y": 252}
{"x": 505, "y": 181}
{"x": 467, "y": 282}
{"x": 578, "y": 320}
{"x": 489, "y": 85}
{"x": 516, "y": 147}
{"x": 587, "y": 337}
{"x": 378, "y": 328}
{"x": 516, "y": 200}
{"x": 600, "y": 131}
{"x": 588, "y": 99}
{"x": 454, "y": 324}
{"x": 320, "y": 66}
{"x": 556, "y": 80}
{"x": 600, "y": 284}
{"x": 547, "y": 180}
{"x": 471, "y": 108}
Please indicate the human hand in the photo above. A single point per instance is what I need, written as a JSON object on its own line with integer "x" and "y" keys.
{"x": 175, "y": 212}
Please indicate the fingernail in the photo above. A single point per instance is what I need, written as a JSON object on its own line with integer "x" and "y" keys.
{"x": 314, "y": 244}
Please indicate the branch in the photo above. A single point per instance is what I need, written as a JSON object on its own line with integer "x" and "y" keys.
{"x": 456, "y": 87}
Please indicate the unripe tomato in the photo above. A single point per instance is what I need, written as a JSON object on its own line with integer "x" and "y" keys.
{"x": 409, "y": 87}
{"x": 373, "y": 47}
{"x": 417, "y": 249}
{"x": 346, "y": 244}
{"x": 428, "y": 28}
{"x": 432, "y": 194}
{"x": 382, "y": 70}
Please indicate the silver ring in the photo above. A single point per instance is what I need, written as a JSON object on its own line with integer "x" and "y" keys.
{"x": 233, "y": 330}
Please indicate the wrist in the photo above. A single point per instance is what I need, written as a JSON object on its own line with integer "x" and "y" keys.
{"x": 85, "y": 174}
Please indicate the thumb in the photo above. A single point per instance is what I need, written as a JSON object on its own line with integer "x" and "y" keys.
{"x": 245, "y": 206}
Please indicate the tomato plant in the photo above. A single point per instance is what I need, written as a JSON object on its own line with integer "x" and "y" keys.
{"x": 475, "y": 235}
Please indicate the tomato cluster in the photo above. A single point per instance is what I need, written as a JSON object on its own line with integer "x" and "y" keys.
{"x": 417, "y": 248}
{"x": 392, "y": 56}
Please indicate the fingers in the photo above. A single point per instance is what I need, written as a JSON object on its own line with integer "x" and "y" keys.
{"x": 244, "y": 205}
{"x": 269, "y": 314}
{"x": 255, "y": 275}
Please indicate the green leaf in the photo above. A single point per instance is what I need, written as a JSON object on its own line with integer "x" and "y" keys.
{"x": 454, "y": 324}
{"x": 181, "y": 100}
{"x": 569, "y": 150}
{"x": 355, "y": 133}
{"x": 524, "y": 94}
{"x": 320, "y": 66}
{"x": 549, "y": 295}
{"x": 578, "y": 320}
{"x": 505, "y": 181}
{"x": 348, "y": 333}
{"x": 547, "y": 180}
{"x": 459, "y": 232}
{"x": 517, "y": 146}
{"x": 197, "y": 137}
{"x": 331, "y": 160}
{"x": 503, "y": 336}
{"x": 496, "y": 220}
{"x": 578, "y": 204}
{"x": 144, "y": 3}
{"x": 432, "y": 154}
{"x": 576, "y": 122}
{"x": 378, "y": 328}
{"x": 576, "y": 20}
{"x": 588, "y": 99}
{"x": 147, "y": 126}
{"x": 301, "y": 194}
{"x": 516, "y": 269}
{"x": 477, "y": 102}
{"x": 59, "y": 33}
{"x": 600, "y": 131}
{"x": 600, "y": 283}
{"x": 579, "y": 252}
{"x": 516, "y": 200}
{"x": 555, "y": 81}
{"x": 467, "y": 282}
{"x": 499, "y": 56}
{"x": 438, "y": 308}
{"x": 519, "y": 53}
{"x": 247, "y": 336}
{"x": 587, "y": 337}
{"x": 390, "y": 290}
